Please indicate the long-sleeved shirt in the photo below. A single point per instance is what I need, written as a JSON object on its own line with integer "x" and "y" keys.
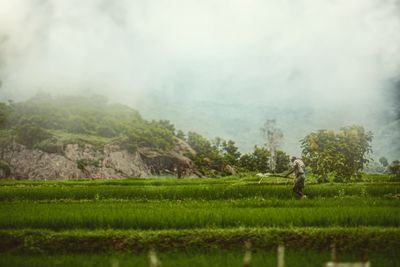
{"x": 298, "y": 166}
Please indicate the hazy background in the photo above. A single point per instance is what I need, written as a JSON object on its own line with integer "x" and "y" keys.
{"x": 220, "y": 68}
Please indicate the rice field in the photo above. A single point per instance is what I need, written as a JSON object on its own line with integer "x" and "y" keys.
{"x": 191, "y": 214}
{"x": 195, "y": 222}
{"x": 204, "y": 189}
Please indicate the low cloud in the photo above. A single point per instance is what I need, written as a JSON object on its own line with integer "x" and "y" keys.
{"x": 214, "y": 67}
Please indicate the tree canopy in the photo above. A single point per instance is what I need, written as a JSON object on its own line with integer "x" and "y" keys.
{"x": 342, "y": 153}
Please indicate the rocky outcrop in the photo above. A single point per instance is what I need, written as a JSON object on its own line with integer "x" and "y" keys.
{"x": 87, "y": 161}
{"x": 173, "y": 162}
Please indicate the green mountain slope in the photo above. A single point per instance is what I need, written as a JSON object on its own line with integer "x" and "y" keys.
{"x": 44, "y": 120}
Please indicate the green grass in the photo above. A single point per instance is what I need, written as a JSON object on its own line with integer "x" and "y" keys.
{"x": 239, "y": 179}
{"x": 166, "y": 189}
{"x": 197, "y": 214}
{"x": 193, "y": 259}
{"x": 378, "y": 177}
{"x": 80, "y": 138}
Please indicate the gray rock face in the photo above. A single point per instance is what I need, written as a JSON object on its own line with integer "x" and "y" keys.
{"x": 110, "y": 161}
{"x": 36, "y": 164}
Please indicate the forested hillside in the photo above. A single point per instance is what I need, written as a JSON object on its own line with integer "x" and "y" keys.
{"x": 44, "y": 122}
{"x": 64, "y": 137}
{"x": 74, "y": 127}
{"x": 50, "y": 124}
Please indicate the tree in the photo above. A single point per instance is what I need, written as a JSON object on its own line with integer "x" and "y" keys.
{"x": 282, "y": 161}
{"x": 383, "y": 161}
{"x": 273, "y": 138}
{"x": 258, "y": 160}
{"x": 165, "y": 124}
{"x": 30, "y": 135}
{"x": 319, "y": 153}
{"x": 181, "y": 135}
{"x": 230, "y": 152}
{"x": 200, "y": 144}
{"x": 207, "y": 155}
{"x": 341, "y": 153}
{"x": 354, "y": 146}
{"x": 394, "y": 168}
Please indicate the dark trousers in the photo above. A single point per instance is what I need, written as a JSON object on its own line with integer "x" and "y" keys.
{"x": 299, "y": 185}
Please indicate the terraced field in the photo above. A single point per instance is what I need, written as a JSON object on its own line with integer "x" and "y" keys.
{"x": 195, "y": 222}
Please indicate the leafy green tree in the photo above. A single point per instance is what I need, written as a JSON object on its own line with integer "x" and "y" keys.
{"x": 181, "y": 135}
{"x": 341, "y": 153}
{"x": 200, "y": 144}
{"x": 383, "y": 161}
{"x": 394, "y": 168}
{"x": 166, "y": 124}
{"x": 319, "y": 153}
{"x": 217, "y": 144}
{"x": 258, "y": 160}
{"x": 153, "y": 135}
{"x": 230, "y": 152}
{"x": 213, "y": 155}
{"x": 246, "y": 162}
{"x": 354, "y": 146}
{"x": 30, "y": 135}
{"x": 208, "y": 156}
{"x": 282, "y": 161}
{"x": 261, "y": 156}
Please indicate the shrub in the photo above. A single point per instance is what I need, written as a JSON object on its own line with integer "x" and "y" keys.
{"x": 30, "y": 135}
{"x": 50, "y": 146}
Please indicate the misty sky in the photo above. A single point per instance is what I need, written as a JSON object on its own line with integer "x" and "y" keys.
{"x": 217, "y": 67}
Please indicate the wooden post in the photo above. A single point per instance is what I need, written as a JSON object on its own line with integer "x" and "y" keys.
{"x": 281, "y": 256}
{"x": 333, "y": 263}
{"x": 114, "y": 263}
{"x": 364, "y": 259}
{"x": 247, "y": 254}
{"x": 333, "y": 253}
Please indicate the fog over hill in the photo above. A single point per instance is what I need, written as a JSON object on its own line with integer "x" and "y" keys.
{"x": 216, "y": 67}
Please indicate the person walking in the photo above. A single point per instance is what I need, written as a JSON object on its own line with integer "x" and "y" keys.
{"x": 298, "y": 170}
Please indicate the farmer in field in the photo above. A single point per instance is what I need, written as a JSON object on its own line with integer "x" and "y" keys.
{"x": 298, "y": 170}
